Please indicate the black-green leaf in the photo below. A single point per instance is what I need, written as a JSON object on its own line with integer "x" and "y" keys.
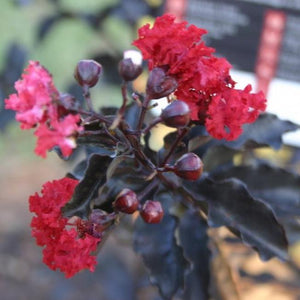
{"x": 94, "y": 176}
{"x": 194, "y": 240}
{"x": 162, "y": 256}
{"x": 230, "y": 204}
{"x": 275, "y": 186}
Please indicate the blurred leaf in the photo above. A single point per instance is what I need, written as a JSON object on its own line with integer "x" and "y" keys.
{"x": 218, "y": 156}
{"x": 46, "y": 25}
{"x": 85, "y": 191}
{"x": 119, "y": 40}
{"x": 194, "y": 240}
{"x": 116, "y": 280}
{"x": 197, "y": 142}
{"x": 133, "y": 10}
{"x": 68, "y": 42}
{"x": 162, "y": 256}
{"x": 230, "y": 204}
{"x": 95, "y": 19}
{"x": 14, "y": 64}
{"x": 86, "y": 5}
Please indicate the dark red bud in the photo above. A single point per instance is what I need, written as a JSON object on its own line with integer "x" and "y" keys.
{"x": 100, "y": 217}
{"x": 152, "y": 212}
{"x": 189, "y": 166}
{"x": 176, "y": 114}
{"x": 131, "y": 66}
{"x": 126, "y": 202}
{"x": 87, "y": 72}
{"x": 128, "y": 70}
{"x": 160, "y": 84}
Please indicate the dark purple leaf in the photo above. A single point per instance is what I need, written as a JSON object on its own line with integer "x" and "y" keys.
{"x": 86, "y": 189}
{"x": 162, "y": 256}
{"x": 79, "y": 170}
{"x": 131, "y": 115}
{"x": 123, "y": 173}
{"x": 194, "y": 241}
{"x": 275, "y": 186}
{"x": 230, "y": 204}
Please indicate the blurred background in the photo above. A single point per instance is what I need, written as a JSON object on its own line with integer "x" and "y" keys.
{"x": 261, "y": 40}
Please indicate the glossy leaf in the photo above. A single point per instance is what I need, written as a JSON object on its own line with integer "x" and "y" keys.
{"x": 85, "y": 191}
{"x": 275, "y": 186}
{"x": 79, "y": 170}
{"x": 123, "y": 173}
{"x": 230, "y": 204}
{"x": 131, "y": 115}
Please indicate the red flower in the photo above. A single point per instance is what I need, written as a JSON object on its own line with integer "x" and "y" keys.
{"x": 60, "y": 133}
{"x": 203, "y": 80}
{"x": 37, "y": 105}
{"x": 64, "y": 249}
{"x": 36, "y": 92}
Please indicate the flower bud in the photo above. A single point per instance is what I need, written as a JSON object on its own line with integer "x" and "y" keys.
{"x": 152, "y": 212}
{"x": 126, "y": 202}
{"x": 130, "y": 67}
{"x": 189, "y": 166}
{"x": 159, "y": 84}
{"x": 87, "y": 72}
{"x": 176, "y": 114}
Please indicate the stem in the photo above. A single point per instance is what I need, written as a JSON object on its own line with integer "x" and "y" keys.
{"x": 151, "y": 125}
{"x": 134, "y": 142}
{"x": 87, "y": 97}
{"x": 143, "y": 113}
{"x": 181, "y": 133}
{"x": 110, "y": 135}
{"x": 92, "y": 114}
{"x": 172, "y": 185}
{"x": 136, "y": 98}
{"x": 121, "y": 111}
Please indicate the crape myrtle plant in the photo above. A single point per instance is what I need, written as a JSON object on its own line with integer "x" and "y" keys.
{"x": 174, "y": 194}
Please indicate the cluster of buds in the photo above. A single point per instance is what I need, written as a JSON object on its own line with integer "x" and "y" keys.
{"x": 127, "y": 202}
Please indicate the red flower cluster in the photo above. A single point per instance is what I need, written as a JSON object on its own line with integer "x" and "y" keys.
{"x": 68, "y": 250}
{"x": 203, "y": 80}
{"x": 37, "y": 104}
